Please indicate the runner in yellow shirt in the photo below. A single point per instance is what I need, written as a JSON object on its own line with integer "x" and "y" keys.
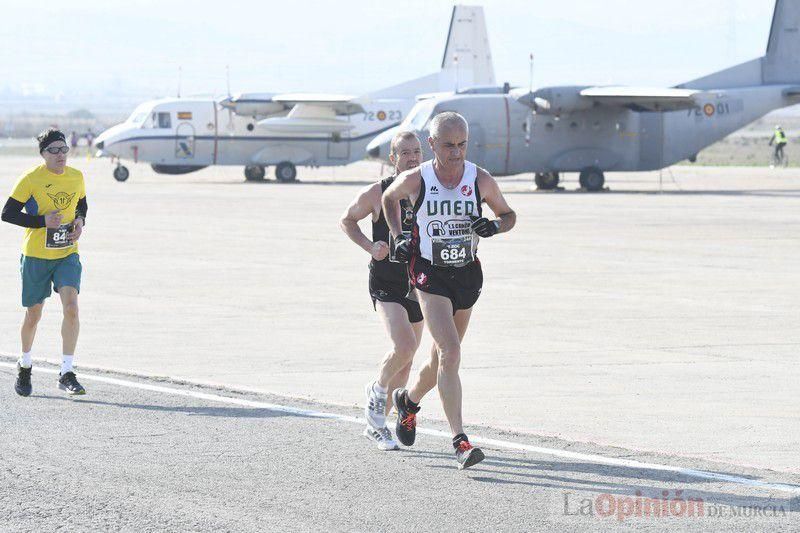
{"x": 53, "y": 196}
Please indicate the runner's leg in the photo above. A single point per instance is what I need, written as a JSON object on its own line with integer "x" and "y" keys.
{"x": 28, "y": 332}
{"x": 428, "y": 374}
{"x": 438, "y": 312}
{"x": 401, "y": 377}
{"x": 70, "y": 326}
{"x": 426, "y": 379}
{"x": 404, "y": 344}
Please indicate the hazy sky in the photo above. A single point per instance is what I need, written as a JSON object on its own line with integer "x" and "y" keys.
{"x": 135, "y": 47}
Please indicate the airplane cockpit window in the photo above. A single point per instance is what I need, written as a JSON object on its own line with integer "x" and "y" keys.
{"x": 164, "y": 120}
{"x": 420, "y": 116}
{"x": 137, "y": 118}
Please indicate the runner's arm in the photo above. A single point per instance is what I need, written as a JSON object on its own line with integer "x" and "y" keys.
{"x": 405, "y": 186}
{"x": 81, "y": 209}
{"x": 490, "y": 193}
{"x": 12, "y": 213}
{"x": 364, "y": 205}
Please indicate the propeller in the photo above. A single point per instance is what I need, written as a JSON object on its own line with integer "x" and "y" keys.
{"x": 529, "y": 120}
{"x": 231, "y": 126}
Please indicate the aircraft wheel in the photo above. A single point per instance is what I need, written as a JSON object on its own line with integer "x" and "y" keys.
{"x": 286, "y": 172}
{"x": 592, "y": 179}
{"x": 121, "y": 173}
{"x": 546, "y": 181}
{"x": 254, "y": 173}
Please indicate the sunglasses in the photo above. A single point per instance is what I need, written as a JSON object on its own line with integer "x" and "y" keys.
{"x": 55, "y": 150}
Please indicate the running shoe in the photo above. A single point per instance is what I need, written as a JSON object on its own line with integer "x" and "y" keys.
{"x": 375, "y": 408}
{"x": 23, "y": 384}
{"x": 467, "y": 455}
{"x": 382, "y": 437}
{"x": 406, "y": 426}
{"x": 69, "y": 383}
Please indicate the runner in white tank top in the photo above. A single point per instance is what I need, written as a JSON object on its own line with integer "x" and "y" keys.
{"x": 444, "y": 218}
{"x": 443, "y": 267}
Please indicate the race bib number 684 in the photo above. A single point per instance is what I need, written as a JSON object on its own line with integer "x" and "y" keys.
{"x": 452, "y": 252}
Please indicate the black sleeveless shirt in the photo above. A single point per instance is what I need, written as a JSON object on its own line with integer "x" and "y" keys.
{"x": 385, "y": 269}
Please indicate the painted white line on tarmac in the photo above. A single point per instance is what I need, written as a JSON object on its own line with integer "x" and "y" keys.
{"x": 503, "y": 444}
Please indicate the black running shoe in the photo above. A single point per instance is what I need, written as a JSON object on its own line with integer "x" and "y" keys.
{"x": 406, "y": 427}
{"x": 23, "y": 384}
{"x": 68, "y": 382}
{"x": 467, "y": 455}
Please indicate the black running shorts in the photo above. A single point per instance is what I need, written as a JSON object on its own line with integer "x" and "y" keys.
{"x": 382, "y": 290}
{"x": 462, "y": 285}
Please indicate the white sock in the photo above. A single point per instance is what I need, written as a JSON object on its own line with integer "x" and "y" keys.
{"x": 25, "y": 361}
{"x": 66, "y": 364}
{"x": 377, "y": 388}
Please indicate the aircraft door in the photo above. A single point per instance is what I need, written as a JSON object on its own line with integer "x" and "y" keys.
{"x": 184, "y": 141}
{"x": 339, "y": 146}
{"x": 651, "y": 141}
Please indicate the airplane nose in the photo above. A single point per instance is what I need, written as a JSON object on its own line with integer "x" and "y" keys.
{"x": 374, "y": 152}
{"x": 100, "y": 145}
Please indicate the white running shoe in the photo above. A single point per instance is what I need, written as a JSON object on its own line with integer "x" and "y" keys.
{"x": 382, "y": 437}
{"x": 375, "y": 408}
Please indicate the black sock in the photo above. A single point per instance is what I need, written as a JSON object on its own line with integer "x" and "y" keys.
{"x": 410, "y": 406}
{"x": 458, "y": 439}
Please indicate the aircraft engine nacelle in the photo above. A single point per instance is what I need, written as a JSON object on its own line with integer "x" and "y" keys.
{"x": 558, "y": 100}
{"x": 252, "y": 105}
{"x": 176, "y": 169}
{"x": 263, "y": 109}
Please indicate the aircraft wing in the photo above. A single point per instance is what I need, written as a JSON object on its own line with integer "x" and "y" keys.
{"x": 313, "y": 113}
{"x": 339, "y": 104}
{"x": 643, "y": 98}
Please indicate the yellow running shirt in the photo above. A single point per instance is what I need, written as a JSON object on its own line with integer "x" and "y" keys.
{"x": 43, "y": 191}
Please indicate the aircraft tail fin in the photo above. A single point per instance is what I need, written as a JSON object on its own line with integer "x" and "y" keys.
{"x": 467, "y": 53}
{"x": 467, "y": 59}
{"x": 781, "y": 64}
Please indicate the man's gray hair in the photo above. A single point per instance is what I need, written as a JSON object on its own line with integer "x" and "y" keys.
{"x": 446, "y": 120}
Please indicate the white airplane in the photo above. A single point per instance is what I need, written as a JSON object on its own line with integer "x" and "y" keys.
{"x": 181, "y": 135}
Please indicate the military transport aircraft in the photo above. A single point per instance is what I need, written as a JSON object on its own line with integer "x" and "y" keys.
{"x": 593, "y": 130}
{"x": 180, "y": 135}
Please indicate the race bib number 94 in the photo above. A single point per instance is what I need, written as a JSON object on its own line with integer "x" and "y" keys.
{"x": 58, "y": 237}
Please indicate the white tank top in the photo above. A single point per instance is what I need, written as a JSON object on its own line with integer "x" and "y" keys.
{"x": 444, "y": 218}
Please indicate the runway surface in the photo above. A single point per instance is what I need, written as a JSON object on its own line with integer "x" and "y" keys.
{"x": 655, "y": 323}
{"x": 143, "y": 455}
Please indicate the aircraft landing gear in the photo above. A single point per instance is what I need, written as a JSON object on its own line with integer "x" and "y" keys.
{"x": 286, "y": 172}
{"x": 121, "y": 173}
{"x": 254, "y": 173}
{"x": 592, "y": 179}
{"x": 546, "y": 181}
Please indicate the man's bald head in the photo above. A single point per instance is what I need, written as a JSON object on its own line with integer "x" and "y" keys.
{"x": 446, "y": 121}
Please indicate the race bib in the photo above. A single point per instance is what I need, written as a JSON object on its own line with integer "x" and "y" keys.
{"x": 58, "y": 237}
{"x": 455, "y": 252}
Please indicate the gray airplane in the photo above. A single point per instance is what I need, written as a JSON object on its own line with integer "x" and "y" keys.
{"x": 593, "y": 130}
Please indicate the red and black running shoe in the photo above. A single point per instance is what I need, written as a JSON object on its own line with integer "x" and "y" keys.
{"x": 467, "y": 455}
{"x": 406, "y": 427}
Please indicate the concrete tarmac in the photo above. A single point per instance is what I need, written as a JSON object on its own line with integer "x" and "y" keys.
{"x": 660, "y": 322}
{"x": 126, "y": 459}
